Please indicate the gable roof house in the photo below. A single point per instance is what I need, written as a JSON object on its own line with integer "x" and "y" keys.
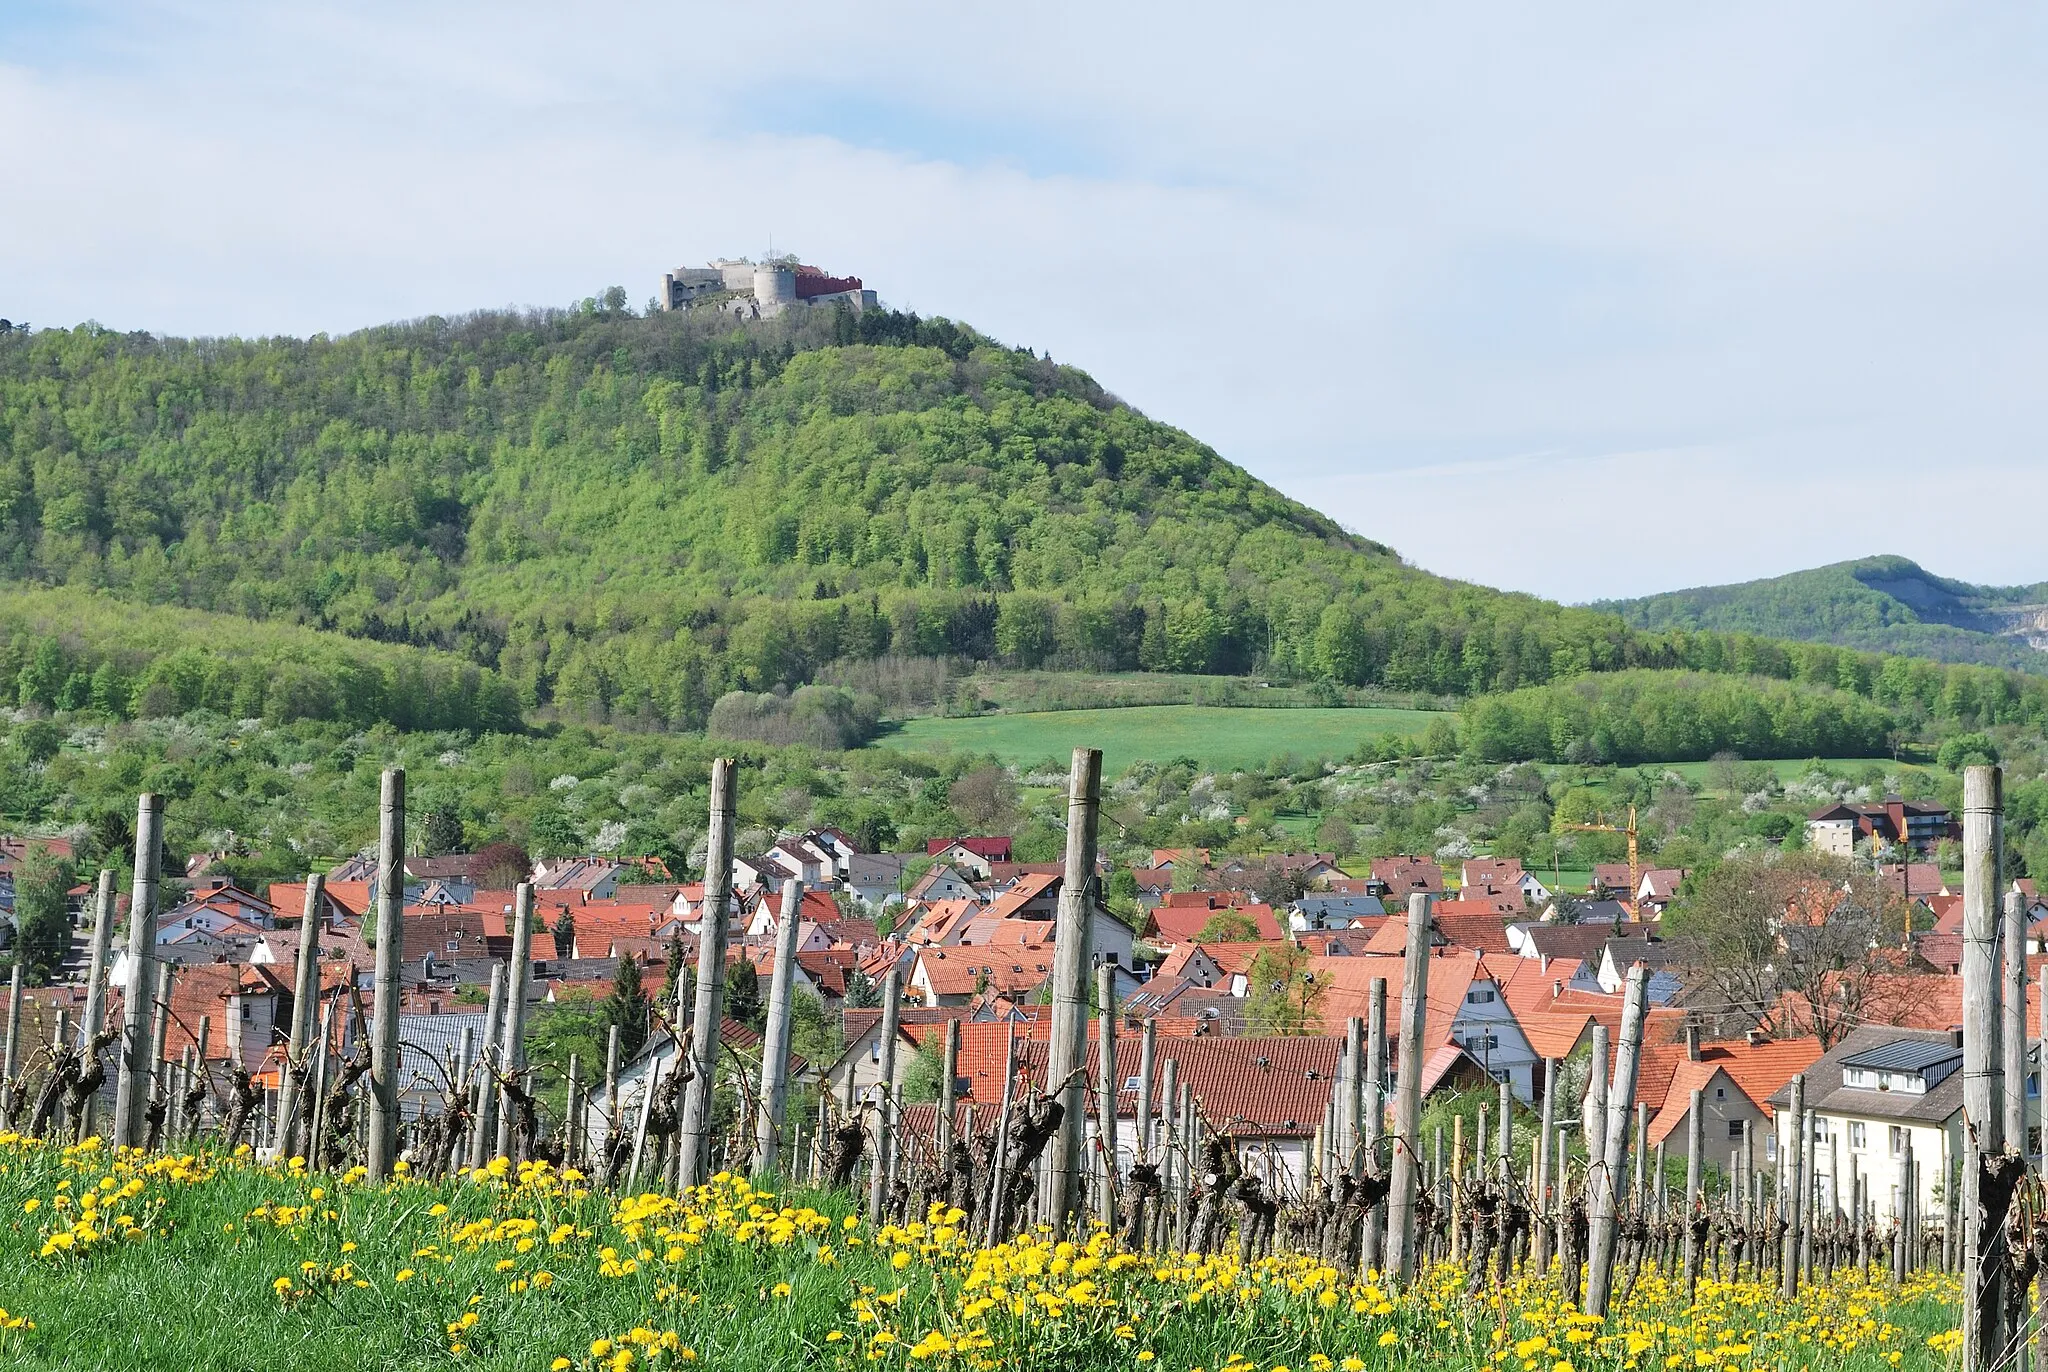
{"x": 1736, "y": 1079}
{"x": 1321, "y": 910}
{"x": 970, "y": 854}
{"x": 942, "y": 881}
{"x": 1397, "y": 878}
{"x": 1881, "y": 1092}
{"x": 875, "y": 878}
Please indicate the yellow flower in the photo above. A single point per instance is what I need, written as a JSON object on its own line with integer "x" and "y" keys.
{"x": 1145, "y": 1356}
{"x": 1389, "y": 1339}
{"x": 404, "y": 1274}
{"x": 600, "y": 1347}
{"x": 281, "y": 1285}
{"x": 899, "y": 1260}
{"x": 558, "y": 1364}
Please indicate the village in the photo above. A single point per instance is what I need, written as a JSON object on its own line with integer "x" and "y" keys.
{"x": 1246, "y": 984}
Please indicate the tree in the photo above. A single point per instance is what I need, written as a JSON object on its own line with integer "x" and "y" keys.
{"x": 565, "y": 934}
{"x": 42, "y": 920}
{"x": 627, "y": 1008}
{"x": 861, "y": 991}
{"x": 499, "y": 866}
{"x": 985, "y": 798}
{"x": 442, "y": 832}
{"x": 743, "y": 993}
{"x": 675, "y": 984}
{"x": 924, "y": 1074}
{"x": 1333, "y": 835}
{"x": 1285, "y": 996}
{"x": 1790, "y": 940}
{"x": 1967, "y": 750}
{"x": 1278, "y": 884}
{"x": 1229, "y": 926}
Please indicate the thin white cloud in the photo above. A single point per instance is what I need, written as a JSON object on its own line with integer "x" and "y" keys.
{"x": 1585, "y": 300}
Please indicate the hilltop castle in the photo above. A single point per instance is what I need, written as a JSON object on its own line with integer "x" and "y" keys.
{"x": 759, "y": 290}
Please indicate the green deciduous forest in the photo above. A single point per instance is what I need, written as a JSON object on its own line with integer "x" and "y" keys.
{"x": 592, "y": 516}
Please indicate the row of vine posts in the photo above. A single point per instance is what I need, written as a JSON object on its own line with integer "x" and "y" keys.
{"x": 1368, "y": 1199}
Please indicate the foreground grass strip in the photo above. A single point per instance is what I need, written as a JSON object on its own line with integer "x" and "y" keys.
{"x": 117, "y": 1260}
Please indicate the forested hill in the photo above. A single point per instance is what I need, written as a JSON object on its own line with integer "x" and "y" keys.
{"x": 628, "y": 516}
{"x": 610, "y": 517}
{"x": 1879, "y": 604}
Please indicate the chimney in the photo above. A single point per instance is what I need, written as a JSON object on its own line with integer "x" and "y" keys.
{"x": 1542, "y": 964}
{"x": 1556, "y": 987}
{"x": 1755, "y": 1037}
{"x": 1692, "y": 1042}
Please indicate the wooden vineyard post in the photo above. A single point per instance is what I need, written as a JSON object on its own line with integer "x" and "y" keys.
{"x": 1603, "y": 1188}
{"x": 131, "y": 1098}
{"x": 390, "y": 911}
{"x": 1984, "y": 1262}
{"x": 999, "y": 1157}
{"x": 885, "y": 1104}
{"x": 1072, "y": 941}
{"x": 1350, "y": 1097}
{"x": 1106, "y": 1091}
{"x": 10, "y": 1056}
{"x": 1408, "y": 1091}
{"x": 775, "y": 1040}
{"x": 483, "y": 1110}
{"x": 949, "y": 1090}
{"x": 1546, "y": 1147}
{"x": 305, "y": 1006}
{"x": 695, "y": 1138}
{"x": 95, "y": 1017}
{"x": 1373, "y": 1104}
{"x": 512, "y": 1044}
{"x": 1792, "y": 1162}
{"x": 1148, "y": 1061}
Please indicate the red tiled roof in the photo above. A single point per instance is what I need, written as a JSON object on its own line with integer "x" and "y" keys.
{"x": 1483, "y": 932}
{"x": 1184, "y": 923}
{"x": 1406, "y": 874}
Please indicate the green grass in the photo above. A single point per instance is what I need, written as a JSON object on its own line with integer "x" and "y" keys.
{"x": 450, "y": 1274}
{"x": 1787, "y": 768}
{"x": 1215, "y": 736}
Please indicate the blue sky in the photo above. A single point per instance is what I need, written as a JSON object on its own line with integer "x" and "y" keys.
{"x": 1585, "y": 300}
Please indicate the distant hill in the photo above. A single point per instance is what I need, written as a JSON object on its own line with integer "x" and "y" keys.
{"x": 625, "y": 517}
{"x": 1877, "y": 604}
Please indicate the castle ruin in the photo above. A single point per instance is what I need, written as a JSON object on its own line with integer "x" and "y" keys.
{"x": 759, "y": 290}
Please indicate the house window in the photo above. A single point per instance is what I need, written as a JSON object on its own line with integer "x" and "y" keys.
{"x": 1898, "y": 1141}
{"x": 1859, "y": 1135}
{"x": 1720, "y": 1093}
{"x": 1481, "y": 996}
{"x": 1734, "y": 1129}
{"x": 875, "y": 1051}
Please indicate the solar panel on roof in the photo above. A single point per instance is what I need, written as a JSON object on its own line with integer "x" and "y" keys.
{"x": 1905, "y": 1055}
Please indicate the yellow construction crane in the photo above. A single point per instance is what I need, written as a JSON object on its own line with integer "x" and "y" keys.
{"x": 1635, "y": 871}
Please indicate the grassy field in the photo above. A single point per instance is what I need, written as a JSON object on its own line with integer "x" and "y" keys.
{"x": 1215, "y": 736}
{"x": 1788, "y": 768}
{"x": 207, "y": 1264}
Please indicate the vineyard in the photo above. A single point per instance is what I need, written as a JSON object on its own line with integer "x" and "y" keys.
{"x": 338, "y": 1210}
